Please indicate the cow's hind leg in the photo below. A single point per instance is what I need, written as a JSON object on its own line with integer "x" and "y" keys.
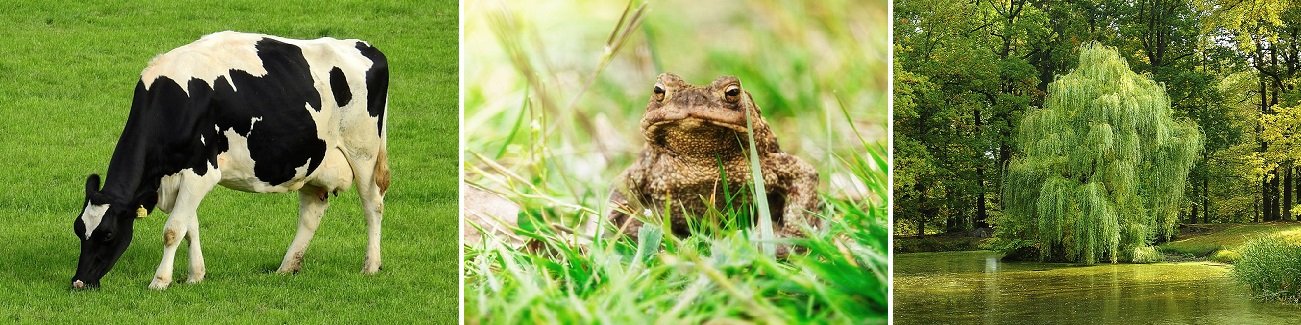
{"x": 312, "y": 202}
{"x": 372, "y": 183}
{"x": 184, "y": 223}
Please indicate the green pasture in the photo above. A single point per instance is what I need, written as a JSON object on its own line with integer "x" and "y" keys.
{"x": 69, "y": 69}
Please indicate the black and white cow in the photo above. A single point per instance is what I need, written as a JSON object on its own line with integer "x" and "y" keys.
{"x": 251, "y": 112}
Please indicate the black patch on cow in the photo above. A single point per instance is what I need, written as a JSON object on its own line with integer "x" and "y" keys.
{"x": 376, "y": 83}
{"x": 339, "y": 86}
{"x": 271, "y": 112}
{"x": 165, "y": 131}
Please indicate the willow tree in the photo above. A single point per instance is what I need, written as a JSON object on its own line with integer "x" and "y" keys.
{"x": 1100, "y": 168}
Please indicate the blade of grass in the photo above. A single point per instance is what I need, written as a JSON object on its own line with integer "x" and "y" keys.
{"x": 760, "y": 200}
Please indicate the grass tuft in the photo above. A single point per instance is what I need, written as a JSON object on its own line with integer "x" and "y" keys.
{"x": 1269, "y": 266}
{"x": 665, "y": 279}
{"x": 1226, "y": 256}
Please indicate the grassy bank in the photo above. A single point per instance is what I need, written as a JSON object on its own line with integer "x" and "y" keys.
{"x": 69, "y": 71}
{"x": 1204, "y": 240}
{"x": 940, "y": 243}
{"x": 1194, "y": 241}
{"x": 553, "y": 100}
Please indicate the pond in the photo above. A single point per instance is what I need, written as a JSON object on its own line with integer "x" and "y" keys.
{"x": 975, "y": 287}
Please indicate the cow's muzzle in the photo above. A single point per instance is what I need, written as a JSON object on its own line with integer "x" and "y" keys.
{"x": 81, "y": 285}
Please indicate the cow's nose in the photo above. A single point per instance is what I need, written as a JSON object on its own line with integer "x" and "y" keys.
{"x": 78, "y": 284}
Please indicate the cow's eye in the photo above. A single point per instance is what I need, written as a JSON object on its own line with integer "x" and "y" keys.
{"x": 108, "y": 236}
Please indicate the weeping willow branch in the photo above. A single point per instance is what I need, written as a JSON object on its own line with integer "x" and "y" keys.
{"x": 1102, "y": 164}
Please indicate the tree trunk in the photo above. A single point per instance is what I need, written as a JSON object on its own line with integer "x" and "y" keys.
{"x": 954, "y": 219}
{"x": 922, "y": 211}
{"x": 1206, "y": 194}
{"x": 921, "y": 228}
{"x": 980, "y": 219}
{"x": 1287, "y": 192}
{"x": 1274, "y": 197}
{"x": 1264, "y": 147}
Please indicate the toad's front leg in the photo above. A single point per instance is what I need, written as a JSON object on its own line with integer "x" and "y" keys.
{"x": 799, "y": 182}
{"x": 624, "y": 204}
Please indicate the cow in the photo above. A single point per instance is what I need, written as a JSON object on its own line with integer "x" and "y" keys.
{"x": 252, "y": 112}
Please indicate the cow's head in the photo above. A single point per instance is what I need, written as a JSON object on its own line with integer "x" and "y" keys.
{"x": 104, "y": 227}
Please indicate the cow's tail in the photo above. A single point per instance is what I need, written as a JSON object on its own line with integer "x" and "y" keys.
{"x": 381, "y": 170}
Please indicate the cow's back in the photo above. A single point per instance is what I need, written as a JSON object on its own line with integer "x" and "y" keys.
{"x": 266, "y": 110}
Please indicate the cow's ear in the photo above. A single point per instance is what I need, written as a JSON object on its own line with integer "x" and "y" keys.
{"x": 92, "y": 184}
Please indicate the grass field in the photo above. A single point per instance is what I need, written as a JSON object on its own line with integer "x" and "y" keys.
{"x": 69, "y": 69}
{"x": 554, "y": 92}
{"x": 1228, "y": 237}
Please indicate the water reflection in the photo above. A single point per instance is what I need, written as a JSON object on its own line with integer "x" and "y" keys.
{"x": 974, "y": 287}
{"x": 991, "y": 264}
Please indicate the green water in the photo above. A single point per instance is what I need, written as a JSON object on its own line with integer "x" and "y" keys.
{"x": 975, "y": 288}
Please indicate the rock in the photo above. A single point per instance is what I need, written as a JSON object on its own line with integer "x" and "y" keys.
{"x": 491, "y": 212}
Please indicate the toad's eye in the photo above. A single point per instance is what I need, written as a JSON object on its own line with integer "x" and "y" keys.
{"x": 733, "y": 92}
{"x": 659, "y": 93}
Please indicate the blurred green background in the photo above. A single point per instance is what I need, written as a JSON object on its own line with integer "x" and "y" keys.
{"x": 527, "y": 64}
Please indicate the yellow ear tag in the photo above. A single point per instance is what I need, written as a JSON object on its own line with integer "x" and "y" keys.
{"x": 141, "y": 212}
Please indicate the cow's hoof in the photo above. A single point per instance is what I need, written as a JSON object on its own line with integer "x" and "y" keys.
{"x": 370, "y": 266}
{"x": 159, "y": 284}
{"x": 289, "y": 269}
{"x": 369, "y": 270}
{"x": 194, "y": 279}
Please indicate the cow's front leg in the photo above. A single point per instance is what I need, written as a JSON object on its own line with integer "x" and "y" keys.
{"x": 197, "y": 269}
{"x": 172, "y": 232}
{"x": 184, "y": 223}
{"x": 312, "y": 202}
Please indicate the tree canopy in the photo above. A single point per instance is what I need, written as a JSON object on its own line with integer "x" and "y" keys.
{"x": 967, "y": 72}
{"x": 1103, "y": 167}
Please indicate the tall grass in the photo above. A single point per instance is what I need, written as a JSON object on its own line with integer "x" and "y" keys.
{"x": 554, "y": 92}
{"x": 1271, "y": 266}
{"x": 723, "y": 275}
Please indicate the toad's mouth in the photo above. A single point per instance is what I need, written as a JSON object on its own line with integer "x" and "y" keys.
{"x": 693, "y": 124}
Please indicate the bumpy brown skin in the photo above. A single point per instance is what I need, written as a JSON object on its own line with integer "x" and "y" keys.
{"x": 689, "y": 130}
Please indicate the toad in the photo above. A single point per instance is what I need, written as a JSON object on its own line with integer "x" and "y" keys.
{"x": 696, "y": 163}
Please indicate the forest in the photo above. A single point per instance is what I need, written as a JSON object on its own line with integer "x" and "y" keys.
{"x": 968, "y": 73}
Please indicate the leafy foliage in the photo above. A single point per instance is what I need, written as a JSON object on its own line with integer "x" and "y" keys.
{"x": 1269, "y": 266}
{"x": 967, "y": 71}
{"x": 1263, "y": 35}
{"x": 1103, "y": 167}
